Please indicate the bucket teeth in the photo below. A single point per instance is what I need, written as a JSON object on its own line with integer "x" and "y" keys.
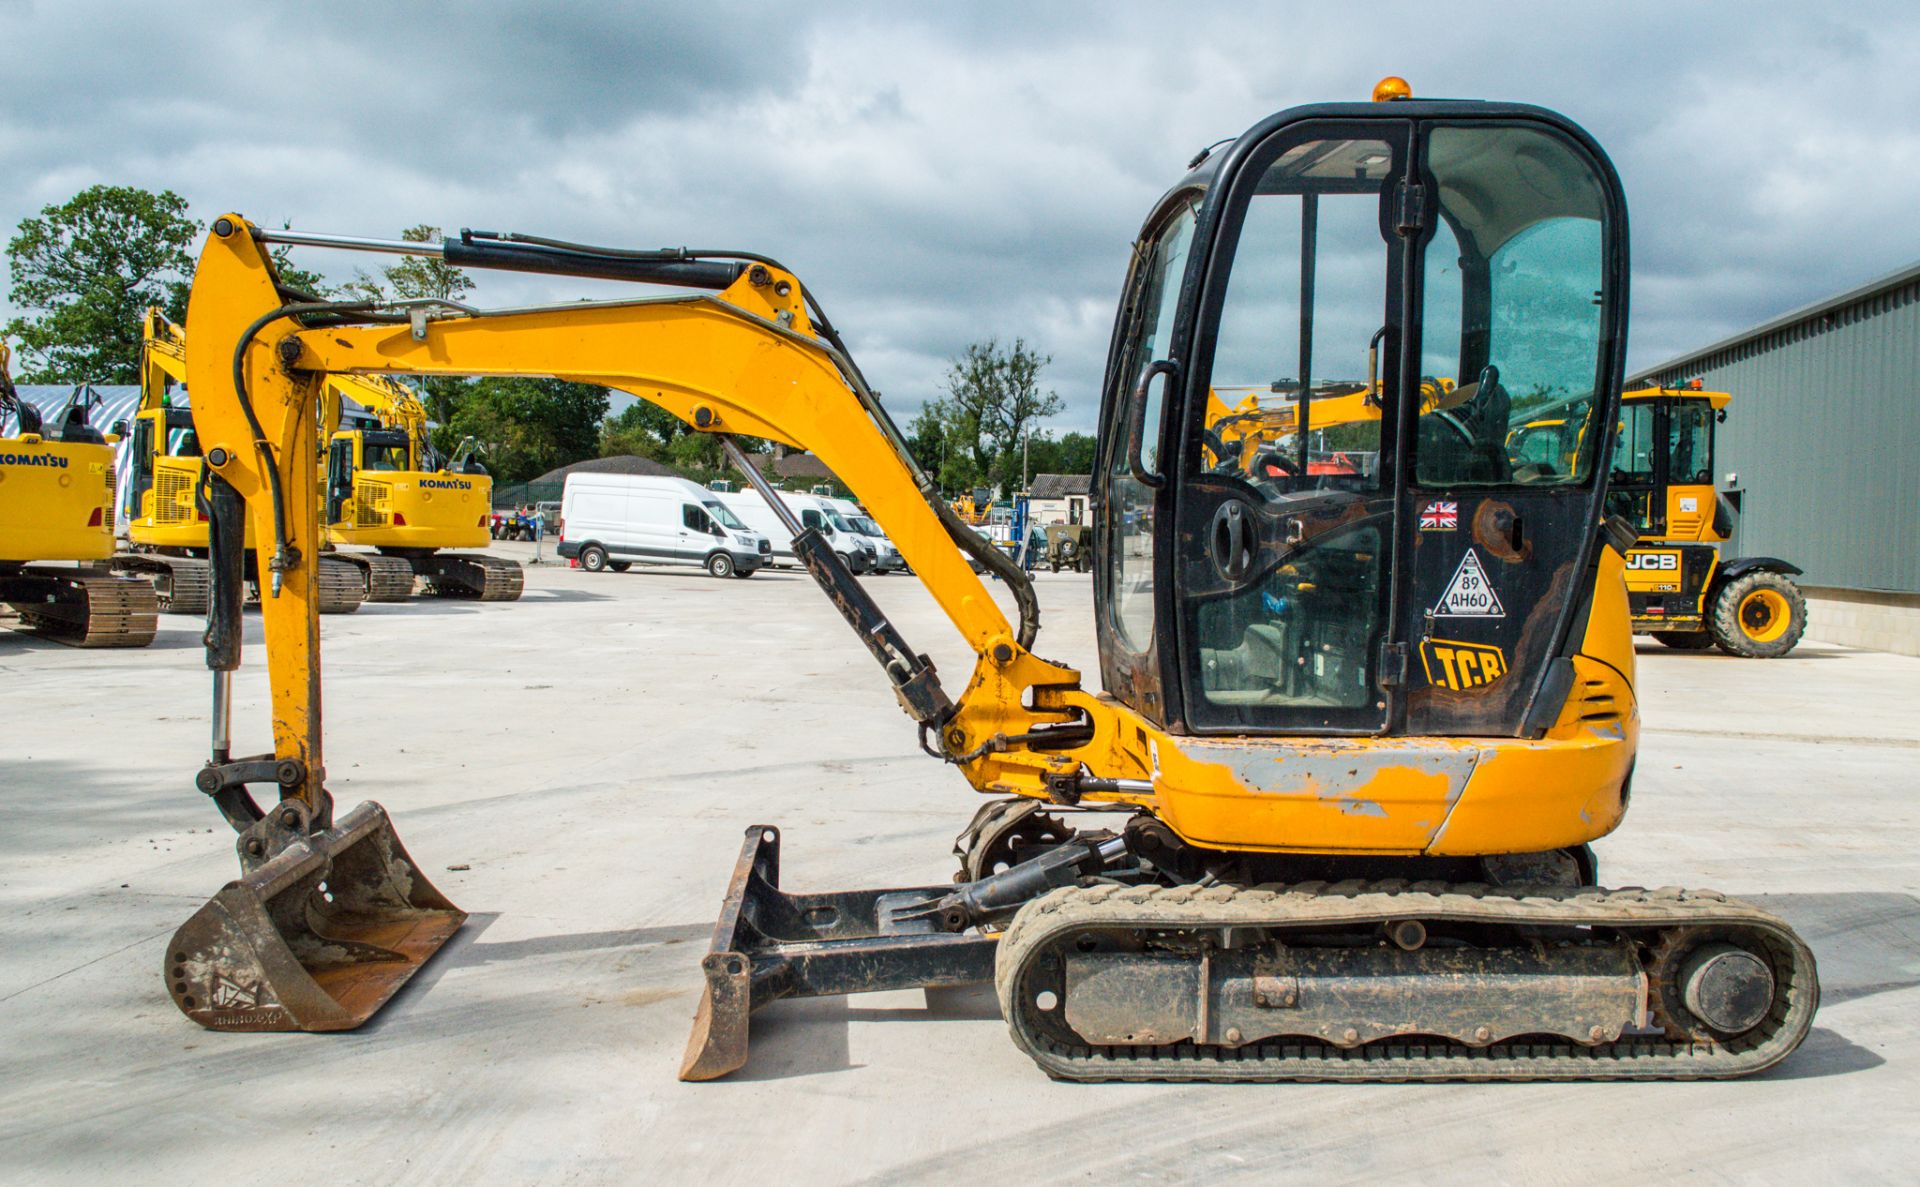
{"x": 317, "y": 938}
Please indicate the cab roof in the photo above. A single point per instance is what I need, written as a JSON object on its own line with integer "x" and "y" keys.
{"x": 1717, "y": 399}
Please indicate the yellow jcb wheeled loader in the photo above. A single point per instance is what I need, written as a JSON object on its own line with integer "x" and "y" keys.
{"x": 1330, "y": 817}
{"x": 163, "y": 504}
{"x": 1680, "y": 588}
{"x": 56, "y": 504}
{"x": 388, "y": 490}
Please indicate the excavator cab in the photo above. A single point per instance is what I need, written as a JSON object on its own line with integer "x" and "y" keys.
{"x": 1391, "y": 252}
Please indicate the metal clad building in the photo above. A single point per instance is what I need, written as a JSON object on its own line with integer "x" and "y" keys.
{"x": 1822, "y": 439}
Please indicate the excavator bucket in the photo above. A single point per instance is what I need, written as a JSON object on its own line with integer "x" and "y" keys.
{"x": 769, "y": 944}
{"x": 317, "y": 937}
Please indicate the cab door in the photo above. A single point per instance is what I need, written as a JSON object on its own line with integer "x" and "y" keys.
{"x": 1520, "y": 290}
{"x": 339, "y": 476}
{"x": 1285, "y": 510}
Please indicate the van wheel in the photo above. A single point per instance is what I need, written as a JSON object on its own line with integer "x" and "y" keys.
{"x": 619, "y": 566}
{"x": 720, "y": 565}
{"x": 593, "y": 558}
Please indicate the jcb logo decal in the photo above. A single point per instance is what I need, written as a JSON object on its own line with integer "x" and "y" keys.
{"x": 1461, "y": 665}
{"x": 1664, "y": 562}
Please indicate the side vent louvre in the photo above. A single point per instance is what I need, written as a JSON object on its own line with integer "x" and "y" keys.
{"x": 1594, "y": 703}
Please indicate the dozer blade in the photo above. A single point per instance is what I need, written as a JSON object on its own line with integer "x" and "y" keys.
{"x": 317, "y": 937}
{"x": 769, "y": 944}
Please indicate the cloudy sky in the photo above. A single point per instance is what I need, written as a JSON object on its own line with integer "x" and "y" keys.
{"x": 939, "y": 174}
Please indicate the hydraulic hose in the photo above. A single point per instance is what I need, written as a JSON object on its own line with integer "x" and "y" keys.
{"x": 283, "y": 554}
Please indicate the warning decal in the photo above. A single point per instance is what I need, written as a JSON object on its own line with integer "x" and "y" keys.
{"x": 1469, "y": 594}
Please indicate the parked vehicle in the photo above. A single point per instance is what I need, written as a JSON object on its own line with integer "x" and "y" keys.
{"x": 886, "y": 556}
{"x": 859, "y": 554}
{"x": 612, "y": 521}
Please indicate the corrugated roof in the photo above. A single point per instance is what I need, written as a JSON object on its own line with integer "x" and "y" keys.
{"x": 1891, "y": 282}
{"x": 1058, "y": 486}
{"x": 792, "y": 465}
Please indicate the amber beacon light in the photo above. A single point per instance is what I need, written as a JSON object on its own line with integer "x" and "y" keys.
{"x": 1390, "y": 88}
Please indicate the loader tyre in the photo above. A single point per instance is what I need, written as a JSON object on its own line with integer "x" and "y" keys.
{"x": 720, "y": 565}
{"x": 593, "y": 559}
{"x": 1758, "y": 616}
{"x": 1685, "y": 640}
{"x": 619, "y": 566}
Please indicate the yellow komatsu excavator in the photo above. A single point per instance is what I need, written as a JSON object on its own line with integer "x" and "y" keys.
{"x": 388, "y": 489}
{"x": 164, "y": 505}
{"x": 56, "y": 504}
{"x": 1329, "y": 818}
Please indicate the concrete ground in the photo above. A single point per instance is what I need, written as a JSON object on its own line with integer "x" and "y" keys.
{"x": 588, "y": 759}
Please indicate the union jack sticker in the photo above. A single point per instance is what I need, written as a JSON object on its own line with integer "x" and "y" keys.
{"x": 1440, "y": 516}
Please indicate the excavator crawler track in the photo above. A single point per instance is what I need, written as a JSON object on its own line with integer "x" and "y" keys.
{"x": 383, "y": 578}
{"x": 181, "y": 584}
{"x": 85, "y": 609}
{"x": 1604, "y": 941}
{"x": 342, "y": 589}
{"x": 471, "y": 575}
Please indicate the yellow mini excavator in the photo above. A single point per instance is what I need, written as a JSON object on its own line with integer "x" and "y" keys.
{"x": 1329, "y": 818}
{"x": 389, "y": 490}
{"x": 164, "y": 505}
{"x": 56, "y": 504}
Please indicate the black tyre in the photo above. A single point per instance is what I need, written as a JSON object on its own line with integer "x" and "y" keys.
{"x": 619, "y": 566}
{"x": 1758, "y": 616}
{"x": 1685, "y": 640}
{"x": 720, "y": 565}
{"x": 593, "y": 559}
{"x": 745, "y": 572}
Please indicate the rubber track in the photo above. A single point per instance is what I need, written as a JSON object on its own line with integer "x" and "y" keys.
{"x": 1357, "y": 903}
{"x": 92, "y": 610}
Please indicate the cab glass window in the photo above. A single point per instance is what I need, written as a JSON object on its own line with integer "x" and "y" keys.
{"x": 1690, "y": 444}
{"x": 1131, "y": 502}
{"x": 1511, "y": 308}
{"x": 1290, "y": 503}
{"x": 1631, "y": 483}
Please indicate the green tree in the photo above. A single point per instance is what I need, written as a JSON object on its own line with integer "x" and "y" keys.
{"x": 993, "y": 400}
{"x": 1070, "y": 454}
{"x": 421, "y": 278}
{"x": 530, "y": 426}
{"x": 87, "y": 270}
{"x": 293, "y": 276}
{"x": 644, "y": 429}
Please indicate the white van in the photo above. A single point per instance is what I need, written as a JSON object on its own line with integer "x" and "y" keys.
{"x": 610, "y": 521}
{"x": 855, "y": 551}
{"x": 886, "y": 556}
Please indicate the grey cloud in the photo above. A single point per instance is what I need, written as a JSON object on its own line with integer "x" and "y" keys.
{"x": 941, "y": 174}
